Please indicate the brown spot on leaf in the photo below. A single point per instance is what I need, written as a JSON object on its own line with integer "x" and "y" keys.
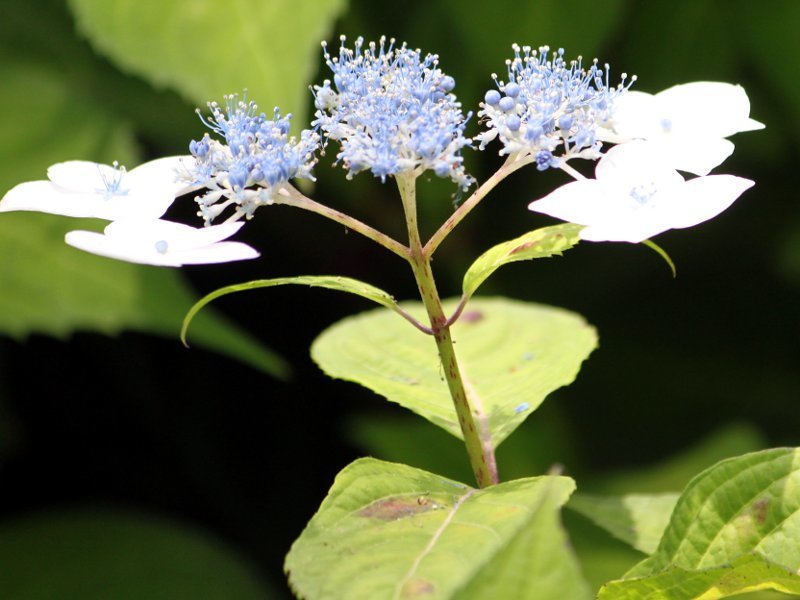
{"x": 418, "y": 588}
{"x": 521, "y": 247}
{"x": 759, "y": 510}
{"x": 391, "y": 509}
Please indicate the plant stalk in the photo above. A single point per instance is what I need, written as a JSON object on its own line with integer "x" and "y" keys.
{"x": 478, "y": 443}
{"x": 292, "y": 197}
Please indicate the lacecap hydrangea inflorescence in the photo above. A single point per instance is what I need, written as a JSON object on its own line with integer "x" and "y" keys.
{"x": 256, "y": 160}
{"x": 392, "y": 112}
{"x": 547, "y": 103}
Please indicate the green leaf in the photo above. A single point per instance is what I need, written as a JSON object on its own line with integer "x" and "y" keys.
{"x": 391, "y": 531}
{"x": 511, "y": 354}
{"x": 101, "y": 554}
{"x": 205, "y": 49}
{"x": 541, "y": 243}
{"x": 331, "y": 282}
{"x": 637, "y": 519}
{"x": 749, "y": 573}
{"x": 747, "y": 505}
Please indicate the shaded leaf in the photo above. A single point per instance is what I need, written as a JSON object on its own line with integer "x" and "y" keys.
{"x": 205, "y": 49}
{"x": 331, "y": 282}
{"x": 97, "y": 555}
{"x": 391, "y": 531}
{"x": 636, "y": 519}
{"x": 541, "y": 243}
{"x": 511, "y": 355}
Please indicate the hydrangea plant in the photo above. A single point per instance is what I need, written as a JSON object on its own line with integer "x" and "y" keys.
{"x": 392, "y": 531}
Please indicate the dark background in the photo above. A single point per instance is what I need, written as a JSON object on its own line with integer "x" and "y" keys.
{"x": 140, "y": 423}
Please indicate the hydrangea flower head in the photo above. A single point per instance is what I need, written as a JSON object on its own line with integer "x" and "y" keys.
{"x": 392, "y": 111}
{"x": 256, "y": 160}
{"x": 547, "y": 103}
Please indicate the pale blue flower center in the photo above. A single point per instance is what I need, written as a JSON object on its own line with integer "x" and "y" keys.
{"x": 548, "y": 103}
{"x": 643, "y": 193}
{"x": 162, "y": 246}
{"x": 112, "y": 182}
{"x": 666, "y": 124}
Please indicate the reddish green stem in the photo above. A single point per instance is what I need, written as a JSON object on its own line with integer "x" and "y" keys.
{"x": 478, "y": 443}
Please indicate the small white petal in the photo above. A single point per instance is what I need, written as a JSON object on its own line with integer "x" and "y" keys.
{"x": 165, "y": 172}
{"x": 580, "y": 202}
{"x": 81, "y": 176}
{"x": 704, "y": 198}
{"x": 119, "y": 249}
{"x": 633, "y": 163}
{"x": 635, "y": 115}
{"x": 163, "y": 243}
{"x": 709, "y": 108}
{"x": 693, "y": 154}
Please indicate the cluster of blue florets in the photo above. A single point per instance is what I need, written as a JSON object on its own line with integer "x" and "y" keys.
{"x": 256, "y": 160}
{"x": 549, "y": 108}
{"x": 391, "y": 111}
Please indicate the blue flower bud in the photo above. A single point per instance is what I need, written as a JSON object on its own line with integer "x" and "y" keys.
{"x": 492, "y": 97}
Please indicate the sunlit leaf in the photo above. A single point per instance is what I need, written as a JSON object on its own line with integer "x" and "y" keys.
{"x": 541, "y": 243}
{"x": 98, "y": 555}
{"x": 741, "y": 520}
{"x": 750, "y": 573}
{"x": 637, "y": 519}
{"x": 391, "y": 531}
{"x": 511, "y": 355}
{"x": 205, "y": 49}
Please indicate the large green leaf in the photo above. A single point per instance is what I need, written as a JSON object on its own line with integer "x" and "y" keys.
{"x": 99, "y": 555}
{"x": 541, "y": 243}
{"x": 511, "y": 354}
{"x": 51, "y": 288}
{"x": 204, "y": 48}
{"x": 391, "y": 531}
{"x": 638, "y": 519}
{"x": 741, "y": 506}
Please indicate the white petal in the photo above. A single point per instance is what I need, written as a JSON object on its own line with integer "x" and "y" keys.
{"x": 120, "y": 249}
{"x": 633, "y": 231}
{"x": 581, "y": 202}
{"x": 217, "y": 253}
{"x": 178, "y": 235}
{"x": 693, "y": 154}
{"x": 164, "y": 173}
{"x": 635, "y": 163}
{"x": 709, "y": 108}
{"x": 40, "y": 196}
{"x": 163, "y": 243}
{"x": 81, "y": 176}
{"x": 635, "y": 116}
{"x": 704, "y": 198}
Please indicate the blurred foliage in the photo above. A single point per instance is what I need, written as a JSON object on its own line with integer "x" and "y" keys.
{"x": 139, "y": 421}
